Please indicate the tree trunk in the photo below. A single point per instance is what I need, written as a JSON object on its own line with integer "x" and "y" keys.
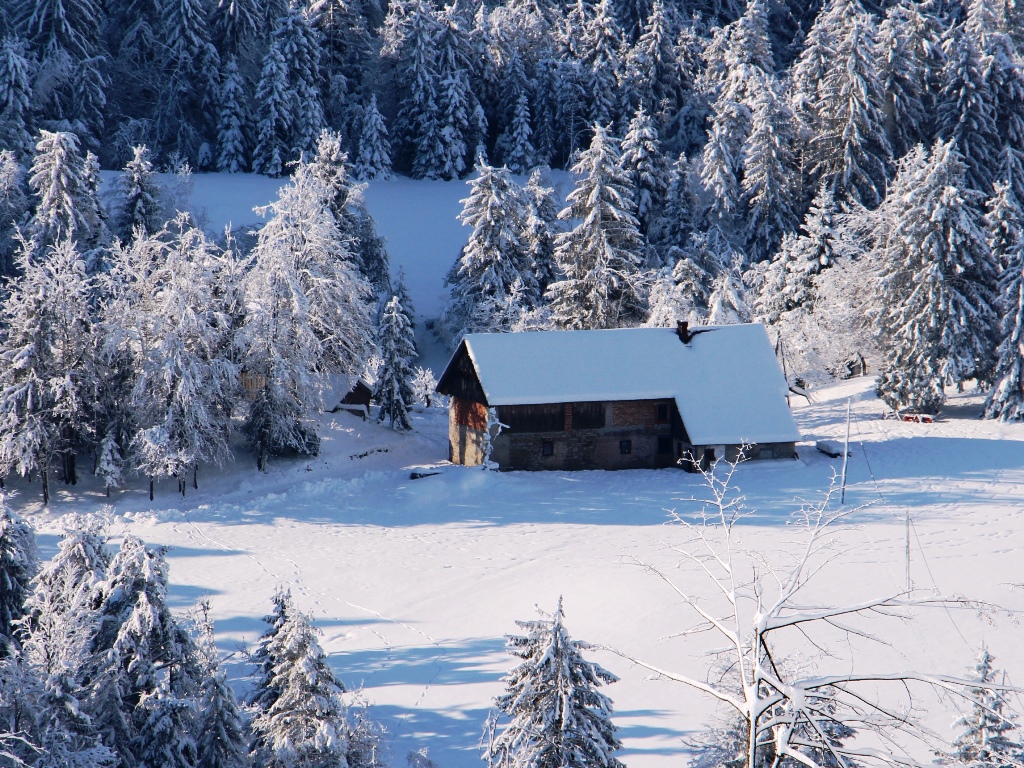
{"x": 46, "y": 484}
{"x": 151, "y": 488}
{"x": 108, "y": 491}
{"x": 195, "y": 477}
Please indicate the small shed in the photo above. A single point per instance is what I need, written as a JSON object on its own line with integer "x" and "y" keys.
{"x": 618, "y": 399}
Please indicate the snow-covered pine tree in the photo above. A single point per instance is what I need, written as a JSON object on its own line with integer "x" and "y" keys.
{"x": 1006, "y": 241}
{"x": 600, "y": 258}
{"x": 555, "y": 716}
{"x": 989, "y": 735}
{"x": 373, "y": 160}
{"x": 727, "y": 303}
{"x": 140, "y": 206}
{"x": 188, "y": 84}
{"x": 235, "y": 24}
{"x": 274, "y": 110}
{"x": 299, "y": 43}
{"x": 14, "y": 207}
{"x": 966, "y": 112}
{"x": 769, "y": 169}
{"x": 49, "y": 321}
{"x": 903, "y": 63}
{"x": 223, "y": 734}
{"x": 646, "y": 167}
{"x": 301, "y": 719}
{"x": 495, "y": 256}
{"x": 165, "y": 737}
{"x": 15, "y": 98}
{"x": 936, "y": 310}
{"x": 519, "y": 154}
{"x": 424, "y": 386}
{"x": 600, "y": 53}
{"x": 393, "y": 390}
{"x": 721, "y": 161}
{"x": 541, "y": 227}
{"x": 452, "y": 154}
{"x": 330, "y": 165}
{"x": 308, "y": 315}
{"x": 19, "y": 562}
{"x": 232, "y": 120}
{"x": 653, "y": 68}
{"x": 672, "y": 227}
{"x": 849, "y": 149}
{"x": 57, "y": 180}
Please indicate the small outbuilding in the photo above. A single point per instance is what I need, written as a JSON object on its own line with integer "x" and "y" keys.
{"x": 618, "y": 399}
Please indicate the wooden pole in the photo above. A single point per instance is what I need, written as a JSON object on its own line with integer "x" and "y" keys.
{"x": 846, "y": 455}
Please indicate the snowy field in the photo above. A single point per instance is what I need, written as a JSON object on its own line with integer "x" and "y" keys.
{"x": 414, "y": 583}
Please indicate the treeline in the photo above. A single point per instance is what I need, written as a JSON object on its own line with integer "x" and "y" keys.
{"x": 96, "y": 672}
{"x": 128, "y": 340}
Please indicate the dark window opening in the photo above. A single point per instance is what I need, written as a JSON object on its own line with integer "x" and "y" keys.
{"x": 665, "y": 444}
{"x": 663, "y": 414}
{"x": 588, "y": 415}
{"x": 547, "y": 448}
{"x": 625, "y": 446}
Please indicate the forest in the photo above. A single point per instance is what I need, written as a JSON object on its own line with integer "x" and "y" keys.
{"x": 849, "y": 175}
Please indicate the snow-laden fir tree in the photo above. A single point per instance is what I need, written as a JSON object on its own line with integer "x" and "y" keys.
{"x": 646, "y": 167}
{"x": 903, "y": 63}
{"x": 223, "y": 733}
{"x": 493, "y": 259}
{"x": 424, "y": 387}
{"x": 541, "y": 227}
{"x": 299, "y": 43}
{"x": 18, "y": 564}
{"x": 1006, "y": 240}
{"x": 727, "y": 303}
{"x": 849, "y": 149}
{"x": 552, "y": 714}
{"x": 672, "y": 227}
{"x": 15, "y": 98}
{"x": 299, "y": 714}
{"x": 232, "y": 120}
{"x": 308, "y": 315}
{"x": 599, "y": 49}
{"x": 769, "y": 170}
{"x": 966, "y": 112}
{"x": 139, "y": 208}
{"x": 936, "y": 309}
{"x": 519, "y": 154}
{"x": 274, "y": 112}
{"x": 599, "y": 259}
{"x": 14, "y": 207}
{"x": 653, "y": 67}
{"x": 396, "y": 344}
{"x": 450, "y": 157}
{"x": 989, "y": 734}
{"x": 373, "y": 160}
{"x": 47, "y": 372}
{"x": 166, "y": 737}
{"x": 65, "y": 208}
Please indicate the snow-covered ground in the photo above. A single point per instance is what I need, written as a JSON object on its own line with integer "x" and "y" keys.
{"x": 415, "y": 582}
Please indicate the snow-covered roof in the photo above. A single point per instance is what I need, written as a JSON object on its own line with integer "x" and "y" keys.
{"x": 726, "y": 382}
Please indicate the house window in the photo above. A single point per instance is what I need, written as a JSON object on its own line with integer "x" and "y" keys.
{"x": 625, "y": 446}
{"x": 547, "y": 448}
{"x": 665, "y": 444}
{"x": 663, "y": 412}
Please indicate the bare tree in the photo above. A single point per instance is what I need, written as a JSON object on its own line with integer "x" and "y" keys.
{"x": 756, "y": 613}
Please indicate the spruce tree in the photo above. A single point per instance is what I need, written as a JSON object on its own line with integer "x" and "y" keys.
{"x": 232, "y": 120}
{"x": 989, "y": 735}
{"x": 938, "y": 283}
{"x": 541, "y": 228}
{"x": 140, "y": 207}
{"x": 554, "y": 715}
{"x": 14, "y": 208}
{"x": 18, "y": 565}
{"x": 495, "y": 256}
{"x": 455, "y": 106}
{"x": 1006, "y": 240}
{"x": 274, "y": 109}
{"x": 967, "y": 110}
{"x": 373, "y": 160}
{"x": 302, "y": 722}
{"x": 646, "y": 167}
{"x": 600, "y": 258}
{"x": 15, "y": 98}
{"x": 393, "y": 390}
{"x": 57, "y": 180}
{"x": 519, "y": 153}
{"x": 49, "y": 321}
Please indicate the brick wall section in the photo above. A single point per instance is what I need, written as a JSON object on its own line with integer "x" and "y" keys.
{"x": 568, "y": 417}
{"x": 636, "y": 413}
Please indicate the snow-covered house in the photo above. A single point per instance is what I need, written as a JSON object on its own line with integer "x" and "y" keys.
{"x": 617, "y": 399}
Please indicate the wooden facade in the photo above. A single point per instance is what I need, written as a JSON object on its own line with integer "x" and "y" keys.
{"x": 619, "y": 434}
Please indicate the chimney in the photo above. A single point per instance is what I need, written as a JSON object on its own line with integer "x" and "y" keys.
{"x": 683, "y": 331}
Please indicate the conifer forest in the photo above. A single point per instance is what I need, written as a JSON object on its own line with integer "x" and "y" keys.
{"x": 850, "y": 173}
